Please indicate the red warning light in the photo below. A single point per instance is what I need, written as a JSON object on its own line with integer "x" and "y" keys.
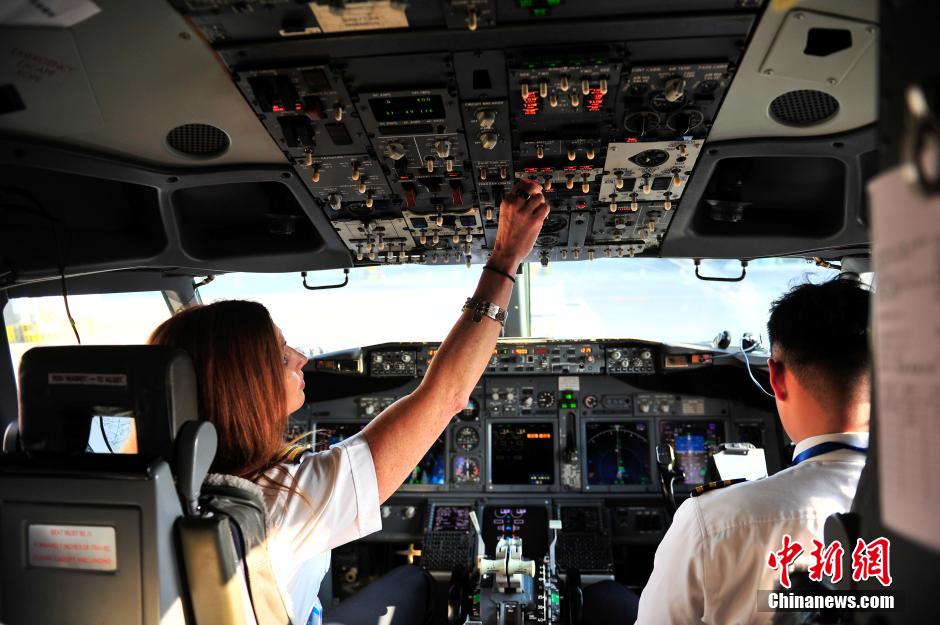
{"x": 531, "y": 104}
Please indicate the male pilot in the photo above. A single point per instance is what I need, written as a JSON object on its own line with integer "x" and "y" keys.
{"x": 714, "y": 559}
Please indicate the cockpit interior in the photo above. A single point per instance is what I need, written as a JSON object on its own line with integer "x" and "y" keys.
{"x": 344, "y": 162}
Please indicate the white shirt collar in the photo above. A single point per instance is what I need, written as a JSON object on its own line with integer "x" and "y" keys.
{"x": 857, "y": 439}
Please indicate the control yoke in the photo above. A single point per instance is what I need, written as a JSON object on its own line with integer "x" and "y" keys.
{"x": 668, "y": 474}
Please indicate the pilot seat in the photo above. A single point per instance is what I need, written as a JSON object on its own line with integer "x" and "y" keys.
{"x": 115, "y": 538}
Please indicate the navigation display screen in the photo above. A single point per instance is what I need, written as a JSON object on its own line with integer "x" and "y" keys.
{"x": 431, "y": 468}
{"x": 407, "y": 108}
{"x": 528, "y": 523}
{"x": 450, "y": 519}
{"x": 328, "y": 434}
{"x": 618, "y": 453}
{"x": 692, "y": 441}
{"x": 523, "y": 454}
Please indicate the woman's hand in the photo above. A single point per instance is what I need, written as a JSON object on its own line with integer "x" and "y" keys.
{"x": 400, "y": 436}
{"x": 520, "y": 221}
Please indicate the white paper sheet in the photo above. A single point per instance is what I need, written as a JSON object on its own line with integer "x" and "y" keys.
{"x": 906, "y": 245}
{"x": 55, "y": 13}
{"x": 750, "y": 466}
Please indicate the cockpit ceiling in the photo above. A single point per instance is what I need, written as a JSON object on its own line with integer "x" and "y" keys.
{"x": 213, "y": 135}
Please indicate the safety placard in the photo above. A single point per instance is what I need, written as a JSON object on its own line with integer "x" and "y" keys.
{"x": 82, "y": 547}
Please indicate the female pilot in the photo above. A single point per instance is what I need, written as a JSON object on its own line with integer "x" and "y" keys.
{"x": 250, "y": 381}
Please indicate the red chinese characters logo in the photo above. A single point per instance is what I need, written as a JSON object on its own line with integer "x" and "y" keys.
{"x": 782, "y": 559}
{"x": 869, "y": 560}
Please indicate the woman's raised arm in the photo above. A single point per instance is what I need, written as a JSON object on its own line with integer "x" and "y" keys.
{"x": 401, "y": 435}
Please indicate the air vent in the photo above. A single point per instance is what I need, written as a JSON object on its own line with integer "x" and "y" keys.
{"x": 806, "y": 107}
{"x": 197, "y": 141}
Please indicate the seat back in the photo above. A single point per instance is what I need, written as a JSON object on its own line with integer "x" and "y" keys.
{"x": 86, "y": 537}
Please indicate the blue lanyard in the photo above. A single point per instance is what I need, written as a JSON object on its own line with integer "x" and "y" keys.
{"x": 824, "y": 448}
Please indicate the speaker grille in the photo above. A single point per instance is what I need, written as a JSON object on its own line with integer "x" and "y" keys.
{"x": 198, "y": 140}
{"x": 805, "y": 107}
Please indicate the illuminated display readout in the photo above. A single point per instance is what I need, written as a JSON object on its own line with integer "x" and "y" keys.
{"x": 523, "y": 454}
{"x": 407, "y": 108}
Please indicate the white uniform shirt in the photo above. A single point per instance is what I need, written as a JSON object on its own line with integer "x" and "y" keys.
{"x": 343, "y": 495}
{"x": 713, "y": 560}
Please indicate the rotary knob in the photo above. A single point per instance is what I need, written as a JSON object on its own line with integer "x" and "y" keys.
{"x": 395, "y": 150}
{"x": 442, "y": 147}
{"x": 489, "y": 139}
{"x": 616, "y": 354}
{"x": 486, "y": 118}
{"x": 336, "y": 201}
{"x": 406, "y": 357}
{"x": 369, "y": 410}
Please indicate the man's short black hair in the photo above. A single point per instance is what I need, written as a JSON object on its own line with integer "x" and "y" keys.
{"x": 820, "y": 331}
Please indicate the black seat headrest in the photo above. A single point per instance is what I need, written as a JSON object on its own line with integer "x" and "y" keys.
{"x": 62, "y": 388}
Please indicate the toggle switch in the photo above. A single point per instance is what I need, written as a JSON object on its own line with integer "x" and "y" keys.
{"x": 429, "y": 163}
{"x": 585, "y": 86}
{"x": 370, "y": 200}
{"x": 603, "y": 86}
{"x": 524, "y": 88}
{"x": 589, "y": 152}
{"x": 585, "y": 185}
{"x": 355, "y": 174}
{"x": 483, "y": 173}
{"x": 575, "y": 98}
{"x": 553, "y": 101}
{"x": 563, "y": 82}
{"x": 543, "y": 89}
{"x": 362, "y": 186}
{"x": 569, "y": 181}
{"x": 572, "y": 154}
{"x": 539, "y": 151}
{"x": 315, "y": 175}
{"x": 676, "y": 180}
{"x": 449, "y": 165}
{"x": 503, "y": 172}
{"x": 338, "y": 112}
{"x": 618, "y": 182}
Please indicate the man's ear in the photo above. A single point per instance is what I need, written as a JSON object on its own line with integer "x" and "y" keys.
{"x": 778, "y": 378}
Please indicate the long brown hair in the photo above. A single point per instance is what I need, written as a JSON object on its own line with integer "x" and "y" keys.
{"x": 240, "y": 373}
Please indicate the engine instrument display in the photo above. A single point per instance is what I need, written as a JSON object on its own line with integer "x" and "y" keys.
{"x": 618, "y": 453}
{"x": 528, "y": 523}
{"x": 450, "y": 519}
{"x": 523, "y": 454}
{"x": 692, "y": 441}
{"x": 430, "y": 471}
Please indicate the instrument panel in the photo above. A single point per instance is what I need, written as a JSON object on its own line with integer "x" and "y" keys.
{"x": 550, "y": 416}
{"x": 408, "y": 136}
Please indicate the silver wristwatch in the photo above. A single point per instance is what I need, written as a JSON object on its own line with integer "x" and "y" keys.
{"x": 481, "y": 308}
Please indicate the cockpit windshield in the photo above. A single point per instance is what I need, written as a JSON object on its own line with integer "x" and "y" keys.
{"x": 647, "y": 298}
